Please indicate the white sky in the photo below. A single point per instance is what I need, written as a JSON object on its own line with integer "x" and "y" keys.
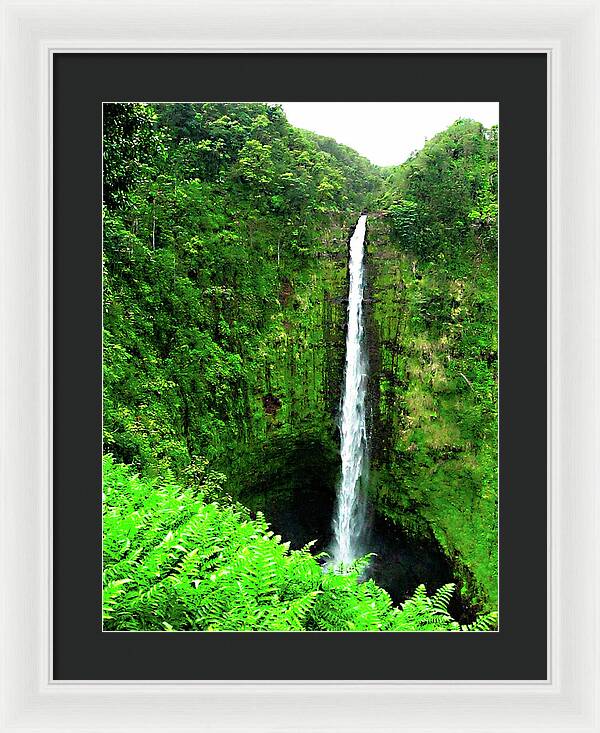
{"x": 385, "y": 132}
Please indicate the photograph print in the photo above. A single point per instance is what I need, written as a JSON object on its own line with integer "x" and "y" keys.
{"x": 300, "y": 366}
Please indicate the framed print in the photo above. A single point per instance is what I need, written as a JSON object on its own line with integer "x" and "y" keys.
{"x": 285, "y": 407}
{"x": 350, "y": 419}
{"x": 300, "y": 368}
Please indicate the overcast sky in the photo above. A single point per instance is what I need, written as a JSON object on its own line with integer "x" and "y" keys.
{"x": 385, "y": 132}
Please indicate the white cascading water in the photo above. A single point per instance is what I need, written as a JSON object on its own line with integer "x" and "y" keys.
{"x": 349, "y": 516}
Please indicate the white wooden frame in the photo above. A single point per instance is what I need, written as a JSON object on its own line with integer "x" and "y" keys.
{"x": 568, "y": 31}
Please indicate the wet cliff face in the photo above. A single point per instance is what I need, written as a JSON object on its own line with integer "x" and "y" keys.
{"x": 433, "y": 455}
{"x": 304, "y": 348}
{"x": 289, "y": 464}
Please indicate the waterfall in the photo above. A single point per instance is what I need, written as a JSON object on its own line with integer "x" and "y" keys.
{"x": 350, "y": 511}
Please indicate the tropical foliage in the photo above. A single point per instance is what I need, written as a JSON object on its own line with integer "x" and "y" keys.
{"x": 210, "y": 210}
{"x": 437, "y": 314}
{"x": 224, "y": 237}
{"x": 178, "y": 559}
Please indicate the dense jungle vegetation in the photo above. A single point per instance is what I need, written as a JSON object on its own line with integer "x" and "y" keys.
{"x": 225, "y": 232}
{"x": 434, "y": 274}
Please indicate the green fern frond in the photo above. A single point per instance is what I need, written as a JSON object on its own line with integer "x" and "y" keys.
{"x": 175, "y": 562}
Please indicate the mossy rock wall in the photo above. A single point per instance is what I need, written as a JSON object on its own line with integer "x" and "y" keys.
{"x": 433, "y": 437}
{"x": 304, "y": 345}
{"x": 292, "y": 452}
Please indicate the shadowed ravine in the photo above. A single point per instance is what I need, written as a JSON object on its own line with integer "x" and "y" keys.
{"x": 400, "y": 562}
